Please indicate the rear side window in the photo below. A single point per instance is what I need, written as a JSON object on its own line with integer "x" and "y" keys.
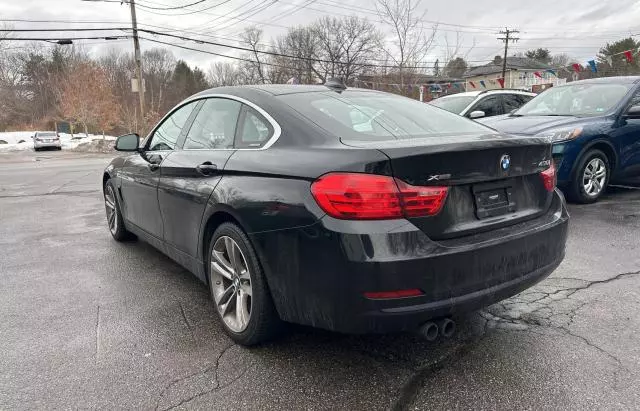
{"x": 254, "y": 130}
{"x": 514, "y": 101}
{"x": 378, "y": 116}
{"x": 214, "y": 126}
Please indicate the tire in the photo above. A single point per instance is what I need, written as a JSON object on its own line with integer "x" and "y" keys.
{"x": 242, "y": 290}
{"x": 578, "y": 190}
{"x": 115, "y": 223}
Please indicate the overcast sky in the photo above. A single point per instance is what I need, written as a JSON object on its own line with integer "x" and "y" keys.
{"x": 578, "y": 28}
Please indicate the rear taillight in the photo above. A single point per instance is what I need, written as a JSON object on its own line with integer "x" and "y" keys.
{"x": 354, "y": 196}
{"x": 549, "y": 177}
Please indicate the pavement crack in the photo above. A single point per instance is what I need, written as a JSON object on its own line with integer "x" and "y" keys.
{"x": 186, "y": 321}
{"x": 57, "y": 193}
{"x": 591, "y": 283}
{"x": 97, "y": 334}
{"x": 55, "y": 190}
{"x": 216, "y": 382}
{"x": 410, "y": 390}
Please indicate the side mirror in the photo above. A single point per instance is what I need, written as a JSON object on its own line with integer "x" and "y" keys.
{"x": 128, "y": 142}
{"x": 633, "y": 112}
{"x": 477, "y": 114}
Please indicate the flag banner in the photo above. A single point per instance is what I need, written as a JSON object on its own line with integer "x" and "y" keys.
{"x": 609, "y": 60}
{"x": 592, "y": 64}
{"x": 576, "y": 67}
{"x": 472, "y": 84}
{"x": 628, "y": 55}
{"x": 537, "y": 74}
{"x": 501, "y": 81}
{"x": 551, "y": 71}
{"x": 482, "y": 83}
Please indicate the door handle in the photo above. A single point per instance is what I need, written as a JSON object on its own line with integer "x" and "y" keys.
{"x": 207, "y": 168}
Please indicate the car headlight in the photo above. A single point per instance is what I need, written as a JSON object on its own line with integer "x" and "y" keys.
{"x": 565, "y": 134}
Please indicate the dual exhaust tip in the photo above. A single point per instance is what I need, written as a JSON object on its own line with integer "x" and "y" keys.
{"x": 430, "y": 330}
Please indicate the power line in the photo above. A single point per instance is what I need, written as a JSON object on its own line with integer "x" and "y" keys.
{"x": 148, "y": 9}
{"x": 173, "y": 8}
{"x": 273, "y": 53}
{"x": 64, "y": 38}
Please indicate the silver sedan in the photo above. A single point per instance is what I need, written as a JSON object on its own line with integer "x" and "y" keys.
{"x": 46, "y": 139}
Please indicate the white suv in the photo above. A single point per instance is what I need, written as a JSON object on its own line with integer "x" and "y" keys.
{"x": 486, "y": 103}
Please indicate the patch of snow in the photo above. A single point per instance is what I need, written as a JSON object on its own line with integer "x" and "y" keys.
{"x": 13, "y": 137}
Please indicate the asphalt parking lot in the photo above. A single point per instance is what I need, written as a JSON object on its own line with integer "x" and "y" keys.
{"x": 86, "y": 322}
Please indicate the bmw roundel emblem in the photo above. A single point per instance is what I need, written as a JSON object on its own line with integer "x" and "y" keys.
{"x": 505, "y": 162}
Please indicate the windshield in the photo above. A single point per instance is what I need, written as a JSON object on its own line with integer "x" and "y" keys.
{"x": 454, "y": 104}
{"x": 580, "y": 100}
{"x": 373, "y": 116}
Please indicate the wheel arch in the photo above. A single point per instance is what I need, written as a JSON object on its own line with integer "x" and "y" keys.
{"x": 219, "y": 215}
{"x": 598, "y": 143}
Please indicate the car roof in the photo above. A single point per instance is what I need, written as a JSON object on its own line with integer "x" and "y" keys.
{"x": 607, "y": 80}
{"x": 492, "y": 91}
{"x": 278, "y": 89}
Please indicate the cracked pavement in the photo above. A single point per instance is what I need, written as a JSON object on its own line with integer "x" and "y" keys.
{"x": 91, "y": 323}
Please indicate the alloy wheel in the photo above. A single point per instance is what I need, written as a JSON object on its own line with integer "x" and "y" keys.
{"x": 594, "y": 177}
{"x": 112, "y": 209}
{"x": 231, "y": 284}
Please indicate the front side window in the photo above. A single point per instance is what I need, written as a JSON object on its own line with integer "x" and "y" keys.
{"x": 215, "y": 125}
{"x": 361, "y": 115}
{"x": 580, "y": 100}
{"x": 166, "y": 135}
{"x": 490, "y": 105}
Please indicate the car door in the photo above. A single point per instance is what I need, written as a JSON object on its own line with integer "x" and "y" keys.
{"x": 189, "y": 175}
{"x": 626, "y": 138}
{"x": 140, "y": 174}
{"x": 491, "y": 106}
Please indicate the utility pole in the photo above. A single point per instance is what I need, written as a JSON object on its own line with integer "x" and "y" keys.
{"x": 507, "y": 38}
{"x": 136, "y": 47}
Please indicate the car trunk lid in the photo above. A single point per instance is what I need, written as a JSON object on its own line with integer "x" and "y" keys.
{"x": 493, "y": 180}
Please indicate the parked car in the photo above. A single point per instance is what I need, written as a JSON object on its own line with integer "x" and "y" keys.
{"x": 293, "y": 207}
{"x": 46, "y": 139}
{"x": 595, "y": 128}
{"x": 486, "y": 103}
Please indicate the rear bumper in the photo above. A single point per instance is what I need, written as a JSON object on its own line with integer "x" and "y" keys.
{"x": 41, "y": 144}
{"x": 318, "y": 274}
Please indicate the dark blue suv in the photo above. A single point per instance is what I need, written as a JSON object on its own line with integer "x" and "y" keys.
{"x": 595, "y": 128}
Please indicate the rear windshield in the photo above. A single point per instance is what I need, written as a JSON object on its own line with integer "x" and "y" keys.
{"x": 46, "y": 134}
{"x": 454, "y": 104}
{"x": 378, "y": 116}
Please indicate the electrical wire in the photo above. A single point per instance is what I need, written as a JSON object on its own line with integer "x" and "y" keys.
{"x": 172, "y": 8}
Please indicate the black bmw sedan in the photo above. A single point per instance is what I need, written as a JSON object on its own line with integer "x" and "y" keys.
{"x": 351, "y": 210}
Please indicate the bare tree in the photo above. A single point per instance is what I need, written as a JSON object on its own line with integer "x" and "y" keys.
{"x": 158, "y": 67}
{"x": 87, "y": 98}
{"x": 411, "y": 41}
{"x": 300, "y": 43}
{"x": 252, "y": 37}
{"x": 454, "y": 50}
{"x": 344, "y": 46}
{"x": 224, "y": 74}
